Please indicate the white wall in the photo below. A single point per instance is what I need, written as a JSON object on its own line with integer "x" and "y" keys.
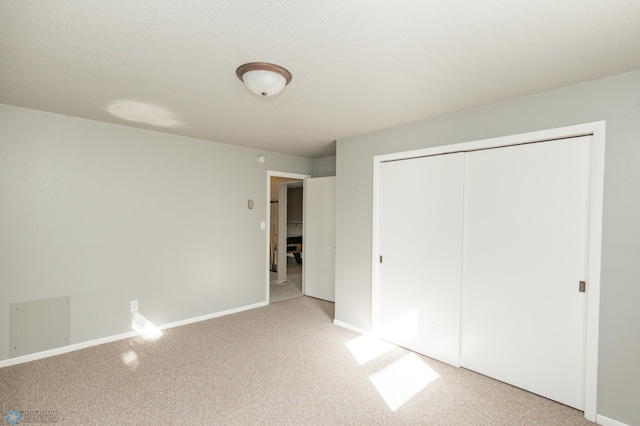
{"x": 106, "y": 213}
{"x": 616, "y": 100}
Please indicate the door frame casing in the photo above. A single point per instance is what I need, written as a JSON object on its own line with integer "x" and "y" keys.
{"x": 597, "y": 130}
{"x": 267, "y": 265}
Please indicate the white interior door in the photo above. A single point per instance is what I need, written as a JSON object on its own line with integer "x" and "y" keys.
{"x": 525, "y": 234}
{"x": 417, "y": 300}
{"x": 320, "y": 237}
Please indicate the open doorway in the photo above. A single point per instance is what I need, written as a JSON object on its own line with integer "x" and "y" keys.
{"x": 285, "y": 236}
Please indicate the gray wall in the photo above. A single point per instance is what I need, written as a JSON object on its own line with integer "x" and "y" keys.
{"x": 616, "y": 100}
{"x": 106, "y": 214}
{"x": 325, "y": 166}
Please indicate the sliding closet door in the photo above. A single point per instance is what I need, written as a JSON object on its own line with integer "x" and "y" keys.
{"x": 523, "y": 314}
{"x": 417, "y": 299}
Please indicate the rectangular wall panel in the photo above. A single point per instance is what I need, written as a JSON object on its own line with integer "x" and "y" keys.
{"x": 39, "y": 325}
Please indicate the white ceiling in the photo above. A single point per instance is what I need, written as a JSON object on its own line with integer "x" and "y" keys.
{"x": 357, "y": 66}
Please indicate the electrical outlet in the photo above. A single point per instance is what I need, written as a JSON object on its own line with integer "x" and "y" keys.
{"x": 134, "y": 305}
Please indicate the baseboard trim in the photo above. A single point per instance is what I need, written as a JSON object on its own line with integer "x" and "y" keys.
{"x": 212, "y": 316}
{"x": 349, "y": 327}
{"x": 605, "y": 421}
{"x": 65, "y": 349}
{"x": 109, "y": 339}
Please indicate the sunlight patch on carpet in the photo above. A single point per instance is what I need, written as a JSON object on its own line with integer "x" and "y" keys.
{"x": 367, "y": 347}
{"x": 130, "y": 359}
{"x": 397, "y": 383}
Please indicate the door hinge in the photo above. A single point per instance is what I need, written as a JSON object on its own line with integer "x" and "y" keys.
{"x": 582, "y": 287}
{"x": 380, "y": 258}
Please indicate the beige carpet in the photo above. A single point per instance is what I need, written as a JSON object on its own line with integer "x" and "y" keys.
{"x": 285, "y": 363}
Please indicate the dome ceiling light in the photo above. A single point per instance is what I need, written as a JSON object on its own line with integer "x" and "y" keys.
{"x": 263, "y": 78}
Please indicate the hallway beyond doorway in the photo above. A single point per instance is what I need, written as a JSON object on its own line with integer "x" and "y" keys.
{"x": 289, "y": 289}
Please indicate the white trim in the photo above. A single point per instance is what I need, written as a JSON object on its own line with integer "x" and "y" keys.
{"x": 65, "y": 349}
{"x": 109, "y": 339}
{"x": 268, "y": 222}
{"x": 213, "y": 315}
{"x": 605, "y": 421}
{"x": 593, "y": 271}
{"x": 287, "y": 175}
{"x": 597, "y": 129}
{"x": 539, "y": 136}
{"x": 349, "y": 327}
{"x": 304, "y": 234}
{"x": 375, "y": 252}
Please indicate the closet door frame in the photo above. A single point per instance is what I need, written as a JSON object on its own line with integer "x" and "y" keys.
{"x": 597, "y": 131}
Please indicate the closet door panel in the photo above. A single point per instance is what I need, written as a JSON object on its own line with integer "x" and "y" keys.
{"x": 420, "y": 241}
{"x": 525, "y": 229}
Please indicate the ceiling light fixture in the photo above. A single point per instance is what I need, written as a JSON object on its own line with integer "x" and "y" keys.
{"x": 263, "y": 78}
